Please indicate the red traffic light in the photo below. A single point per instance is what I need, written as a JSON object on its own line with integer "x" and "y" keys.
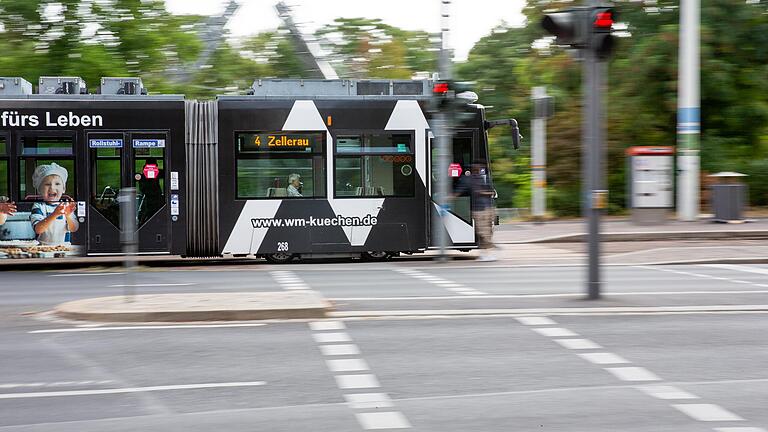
{"x": 440, "y": 88}
{"x": 604, "y": 20}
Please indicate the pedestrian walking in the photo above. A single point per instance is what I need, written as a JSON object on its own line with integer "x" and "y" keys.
{"x": 478, "y": 186}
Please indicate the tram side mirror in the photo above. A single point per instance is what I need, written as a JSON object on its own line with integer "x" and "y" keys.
{"x": 516, "y": 137}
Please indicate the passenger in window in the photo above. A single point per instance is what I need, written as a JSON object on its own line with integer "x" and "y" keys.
{"x": 53, "y": 218}
{"x": 6, "y": 209}
{"x": 483, "y": 211}
{"x": 294, "y": 186}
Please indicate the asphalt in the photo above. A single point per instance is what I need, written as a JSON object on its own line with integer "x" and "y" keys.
{"x": 464, "y": 372}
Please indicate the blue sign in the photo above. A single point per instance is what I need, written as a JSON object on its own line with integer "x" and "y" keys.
{"x": 105, "y": 143}
{"x": 148, "y": 143}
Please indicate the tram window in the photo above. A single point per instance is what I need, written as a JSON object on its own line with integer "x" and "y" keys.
{"x": 374, "y": 143}
{"x": 278, "y": 178}
{"x": 107, "y": 179}
{"x": 388, "y": 173}
{"x": 4, "y": 189}
{"x": 280, "y": 165}
{"x": 40, "y": 150}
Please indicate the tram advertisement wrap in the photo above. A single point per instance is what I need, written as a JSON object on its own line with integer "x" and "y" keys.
{"x": 338, "y": 221}
{"x": 44, "y": 223}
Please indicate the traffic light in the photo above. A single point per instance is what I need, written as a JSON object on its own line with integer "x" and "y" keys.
{"x": 452, "y": 97}
{"x": 583, "y": 28}
{"x": 568, "y": 27}
{"x": 601, "y": 40}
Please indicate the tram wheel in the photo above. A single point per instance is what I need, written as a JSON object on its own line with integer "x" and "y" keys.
{"x": 375, "y": 256}
{"x": 279, "y": 258}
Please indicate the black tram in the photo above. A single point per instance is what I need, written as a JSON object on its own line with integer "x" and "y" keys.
{"x": 296, "y": 168}
{"x": 101, "y": 143}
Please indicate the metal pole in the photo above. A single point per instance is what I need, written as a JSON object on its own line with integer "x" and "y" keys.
{"x": 688, "y": 113}
{"x": 128, "y": 238}
{"x": 595, "y": 195}
{"x": 443, "y": 135}
{"x": 539, "y": 154}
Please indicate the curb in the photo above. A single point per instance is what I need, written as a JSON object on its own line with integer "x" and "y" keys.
{"x": 197, "y": 307}
{"x": 651, "y": 236}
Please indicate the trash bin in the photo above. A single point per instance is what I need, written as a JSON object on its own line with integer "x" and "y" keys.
{"x": 728, "y": 196}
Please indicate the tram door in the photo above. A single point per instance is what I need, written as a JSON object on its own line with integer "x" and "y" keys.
{"x": 128, "y": 159}
{"x": 460, "y": 226}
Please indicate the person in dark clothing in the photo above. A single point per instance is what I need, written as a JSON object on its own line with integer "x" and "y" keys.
{"x": 477, "y": 184}
{"x": 151, "y": 191}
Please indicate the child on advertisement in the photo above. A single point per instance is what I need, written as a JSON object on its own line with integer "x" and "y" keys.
{"x": 52, "y": 218}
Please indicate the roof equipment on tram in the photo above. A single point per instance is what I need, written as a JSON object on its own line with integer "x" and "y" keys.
{"x": 62, "y": 85}
{"x": 13, "y": 86}
{"x": 121, "y": 86}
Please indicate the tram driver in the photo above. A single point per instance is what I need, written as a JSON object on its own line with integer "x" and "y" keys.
{"x": 294, "y": 185}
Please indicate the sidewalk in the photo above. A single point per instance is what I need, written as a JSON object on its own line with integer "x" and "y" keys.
{"x": 624, "y": 230}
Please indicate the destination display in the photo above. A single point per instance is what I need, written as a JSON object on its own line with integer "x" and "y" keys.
{"x": 280, "y": 142}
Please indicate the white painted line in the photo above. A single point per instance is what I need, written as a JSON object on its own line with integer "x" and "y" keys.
{"x": 533, "y": 320}
{"x": 339, "y": 350}
{"x": 331, "y": 337}
{"x": 145, "y": 327}
{"x": 150, "y": 285}
{"x": 459, "y": 289}
{"x": 707, "y": 412}
{"x": 577, "y": 344}
{"x": 368, "y": 400}
{"x": 740, "y": 429}
{"x": 128, "y": 390}
{"x": 326, "y": 325}
{"x": 603, "y": 358}
{"x": 632, "y": 373}
{"x": 347, "y": 365}
{"x": 295, "y": 287}
{"x": 472, "y": 293}
{"x": 382, "y": 420}
{"x": 559, "y": 295}
{"x": 554, "y": 332}
{"x": 55, "y": 384}
{"x": 357, "y": 381}
{"x": 84, "y": 274}
{"x": 741, "y": 268}
{"x": 666, "y": 392}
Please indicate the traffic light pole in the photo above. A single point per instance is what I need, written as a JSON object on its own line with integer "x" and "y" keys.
{"x": 442, "y": 130}
{"x": 593, "y": 149}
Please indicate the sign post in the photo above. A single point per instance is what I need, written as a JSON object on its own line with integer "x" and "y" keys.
{"x": 129, "y": 239}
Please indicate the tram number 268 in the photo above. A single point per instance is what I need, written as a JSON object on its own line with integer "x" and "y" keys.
{"x": 282, "y": 246}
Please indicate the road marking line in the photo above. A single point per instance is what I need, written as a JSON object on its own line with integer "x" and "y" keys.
{"x": 561, "y": 295}
{"x": 577, "y": 344}
{"x": 331, "y": 337}
{"x": 368, "y": 400}
{"x": 666, "y": 392}
{"x": 150, "y": 285}
{"x": 736, "y": 267}
{"x": 707, "y": 412}
{"x": 459, "y": 289}
{"x": 382, "y": 420}
{"x": 554, "y": 332}
{"x": 603, "y": 358}
{"x": 55, "y": 384}
{"x": 327, "y": 325}
{"x": 533, "y": 320}
{"x": 145, "y": 327}
{"x": 347, "y": 365}
{"x": 740, "y": 429}
{"x": 339, "y": 350}
{"x": 633, "y": 373}
{"x": 129, "y": 390}
{"x": 84, "y": 274}
{"x": 356, "y": 381}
